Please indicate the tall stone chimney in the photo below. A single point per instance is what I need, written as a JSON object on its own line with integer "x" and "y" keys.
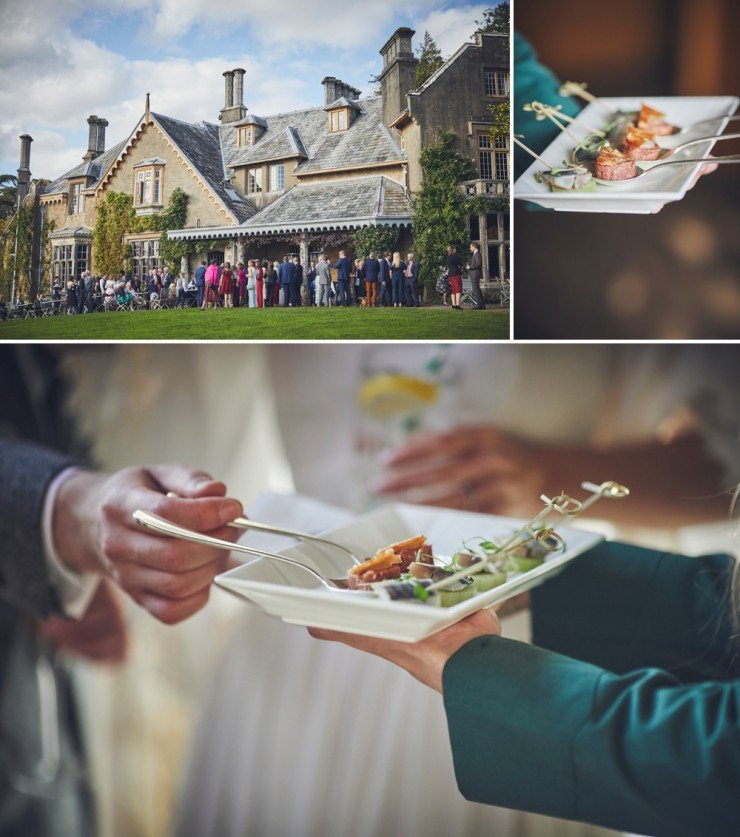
{"x": 399, "y": 70}
{"x": 233, "y": 109}
{"x": 100, "y": 138}
{"x": 92, "y": 138}
{"x": 331, "y": 87}
{"x": 24, "y": 170}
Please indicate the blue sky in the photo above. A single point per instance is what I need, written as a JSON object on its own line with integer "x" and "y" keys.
{"x": 77, "y": 57}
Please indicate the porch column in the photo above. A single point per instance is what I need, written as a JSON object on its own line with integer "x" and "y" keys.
{"x": 304, "y": 257}
{"x": 241, "y": 250}
{"x": 185, "y": 266}
{"x": 483, "y": 227}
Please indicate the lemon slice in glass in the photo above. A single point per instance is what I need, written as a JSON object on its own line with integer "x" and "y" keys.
{"x": 389, "y": 395}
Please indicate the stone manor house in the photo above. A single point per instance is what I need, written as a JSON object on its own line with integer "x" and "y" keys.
{"x": 264, "y": 186}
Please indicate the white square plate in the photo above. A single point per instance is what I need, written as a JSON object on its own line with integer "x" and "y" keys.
{"x": 648, "y": 194}
{"x": 296, "y": 597}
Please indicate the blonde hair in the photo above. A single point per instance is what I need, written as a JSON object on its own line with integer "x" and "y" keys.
{"x": 396, "y": 260}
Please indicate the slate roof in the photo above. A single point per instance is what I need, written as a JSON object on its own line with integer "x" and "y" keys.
{"x": 72, "y": 232}
{"x": 95, "y": 169}
{"x": 365, "y": 142}
{"x": 334, "y": 203}
{"x": 343, "y": 102}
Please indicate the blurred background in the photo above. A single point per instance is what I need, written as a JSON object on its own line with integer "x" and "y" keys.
{"x": 675, "y": 275}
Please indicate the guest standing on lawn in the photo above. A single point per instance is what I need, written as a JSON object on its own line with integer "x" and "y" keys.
{"x": 475, "y": 274}
{"x": 398, "y": 269}
{"x": 211, "y": 286}
{"x": 241, "y": 283}
{"x": 285, "y": 274}
{"x": 454, "y": 274}
{"x": 226, "y": 285}
{"x": 323, "y": 280}
{"x": 270, "y": 280}
{"x": 295, "y": 283}
{"x": 261, "y": 271}
{"x": 371, "y": 271}
{"x": 343, "y": 268}
{"x": 385, "y": 279}
{"x": 411, "y": 275}
{"x": 200, "y": 282}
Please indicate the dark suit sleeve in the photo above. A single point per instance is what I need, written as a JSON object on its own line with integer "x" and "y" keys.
{"x": 26, "y": 470}
{"x": 641, "y": 752}
{"x": 623, "y": 607}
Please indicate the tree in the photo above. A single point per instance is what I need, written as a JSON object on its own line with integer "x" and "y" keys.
{"x": 495, "y": 19}
{"x": 440, "y": 210}
{"x": 376, "y": 240}
{"x": 8, "y": 194}
{"x": 501, "y": 127}
{"x": 430, "y": 59}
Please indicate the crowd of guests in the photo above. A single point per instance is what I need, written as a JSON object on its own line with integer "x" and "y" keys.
{"x": 384, "y": 280}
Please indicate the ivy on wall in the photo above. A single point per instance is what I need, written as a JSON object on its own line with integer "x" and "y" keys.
{"x": 440, "y": 210}
{"x": 19, "y": 261}
{"x": 116, "y": 218}
{"x": 376, "y": 240}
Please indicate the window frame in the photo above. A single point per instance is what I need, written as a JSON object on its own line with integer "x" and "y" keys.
{"x": 276, "y": 168}
{"x": 499, "y": 87}
{"x": 338, "y": 120}
{"x": 148, "y": 186}
{"x": 258, "y": 186}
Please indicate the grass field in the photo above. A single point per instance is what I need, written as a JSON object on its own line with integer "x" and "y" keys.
{"x": 268, "y": 324}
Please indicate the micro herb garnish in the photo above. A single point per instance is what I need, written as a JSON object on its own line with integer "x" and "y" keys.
{"x": 420, "y": 592}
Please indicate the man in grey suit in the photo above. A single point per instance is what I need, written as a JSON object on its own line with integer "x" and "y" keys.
{"x": 475, "y": 273}
{"x": 323, "y": 279}
{"x": 66, "y": 536}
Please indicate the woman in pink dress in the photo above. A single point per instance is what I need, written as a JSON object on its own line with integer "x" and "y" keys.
{"x": 241, "y": 282}
{"x": 260, "y": 283}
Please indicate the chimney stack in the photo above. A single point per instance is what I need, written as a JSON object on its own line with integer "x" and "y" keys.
{"x": 330, "y": 89}
{"x": 399, "y": 73}
{"x": 24, "y": 170}
{"x": 233, "y": 109}
{"x": 100, "y": 138}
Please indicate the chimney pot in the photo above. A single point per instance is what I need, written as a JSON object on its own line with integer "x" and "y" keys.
{"x": 239, "y": 87}
{"x": 229, "y": 89}
{"x": 330, "y": 89}
{"x": 24, "y": 170}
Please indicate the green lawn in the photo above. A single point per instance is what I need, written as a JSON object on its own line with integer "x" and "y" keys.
{"x": 268, "y": 324}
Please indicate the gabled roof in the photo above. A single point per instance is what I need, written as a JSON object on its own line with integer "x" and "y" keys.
{"x": 199, "y": 143}
{"x": 365, "y": 142}
{"x": 477, "y": 44}
{"x": 72, "y": 232}
{"x": 343, "y": 102}
{"x": 95, "y": 169}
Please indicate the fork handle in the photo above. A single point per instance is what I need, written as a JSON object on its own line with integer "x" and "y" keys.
{"x": 165, "y": 527}
{"x": 716, "y": 119}
{"x": 731, "y": 158}
{"x": 718, "y": 138}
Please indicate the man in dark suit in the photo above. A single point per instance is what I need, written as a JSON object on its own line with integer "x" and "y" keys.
{"x": 412, "y": 282}
{"x": 66, "y": 531}
{"x": 475, "y": 273}
{"x": 200, "y": 282}
{"x": 295, "y": 283}
{"x": 285, "y": 277}
{"x": 385, "y": 279}
{"x": 343, "y": 268}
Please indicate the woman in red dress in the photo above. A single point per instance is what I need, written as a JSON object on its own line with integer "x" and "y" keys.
{"x": 226, "y": 285}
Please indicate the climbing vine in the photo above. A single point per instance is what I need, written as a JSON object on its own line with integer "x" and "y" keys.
{"x": 16, "y": 261}
{"x": 440, "y": 210}
{"x": 376, "y": 240}
{"x": 115, "y": 218}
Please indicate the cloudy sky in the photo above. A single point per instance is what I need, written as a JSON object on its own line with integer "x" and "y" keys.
{"x": 61, "y": 60}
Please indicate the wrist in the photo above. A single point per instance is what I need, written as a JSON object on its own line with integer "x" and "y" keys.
{"x": 74, "y": 522}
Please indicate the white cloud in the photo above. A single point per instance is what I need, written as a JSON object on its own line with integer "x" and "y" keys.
{"x": 451, "y": 27}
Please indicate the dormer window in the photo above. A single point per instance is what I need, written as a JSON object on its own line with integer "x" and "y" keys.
{"x": 148, "y": 183}
{"x": 245, "y": 135}
{"x": 254, "y": 181}
{"x": 76, "y": 199}
{"x": 338, "y": 120}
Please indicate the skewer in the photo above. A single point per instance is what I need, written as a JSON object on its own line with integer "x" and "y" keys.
{"x": 530, "y": 152}
{"x": 573, "y": 88}
{"x": 546, "y": 112}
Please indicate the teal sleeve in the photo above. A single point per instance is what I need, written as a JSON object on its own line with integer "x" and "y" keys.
{"x": 624, "y": 607}
{"x": 533, "y": 82}
{"x": 537, "y": 731}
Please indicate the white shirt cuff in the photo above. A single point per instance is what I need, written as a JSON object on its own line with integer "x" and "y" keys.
{"x": 74, "y": 589}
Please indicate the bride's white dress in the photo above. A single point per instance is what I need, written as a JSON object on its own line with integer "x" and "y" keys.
{"x": 279, "y": 734}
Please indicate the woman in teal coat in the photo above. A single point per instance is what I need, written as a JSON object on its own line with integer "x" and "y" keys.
{"x": 624, "y": 713}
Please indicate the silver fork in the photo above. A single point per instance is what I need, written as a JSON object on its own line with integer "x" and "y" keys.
{"x": 688, "y": 128}
{"x": 165, "y": 527}
{"x": 245, "y": 523}
{"x": 669, "y": 152}
{"x": 733, "y": 158}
